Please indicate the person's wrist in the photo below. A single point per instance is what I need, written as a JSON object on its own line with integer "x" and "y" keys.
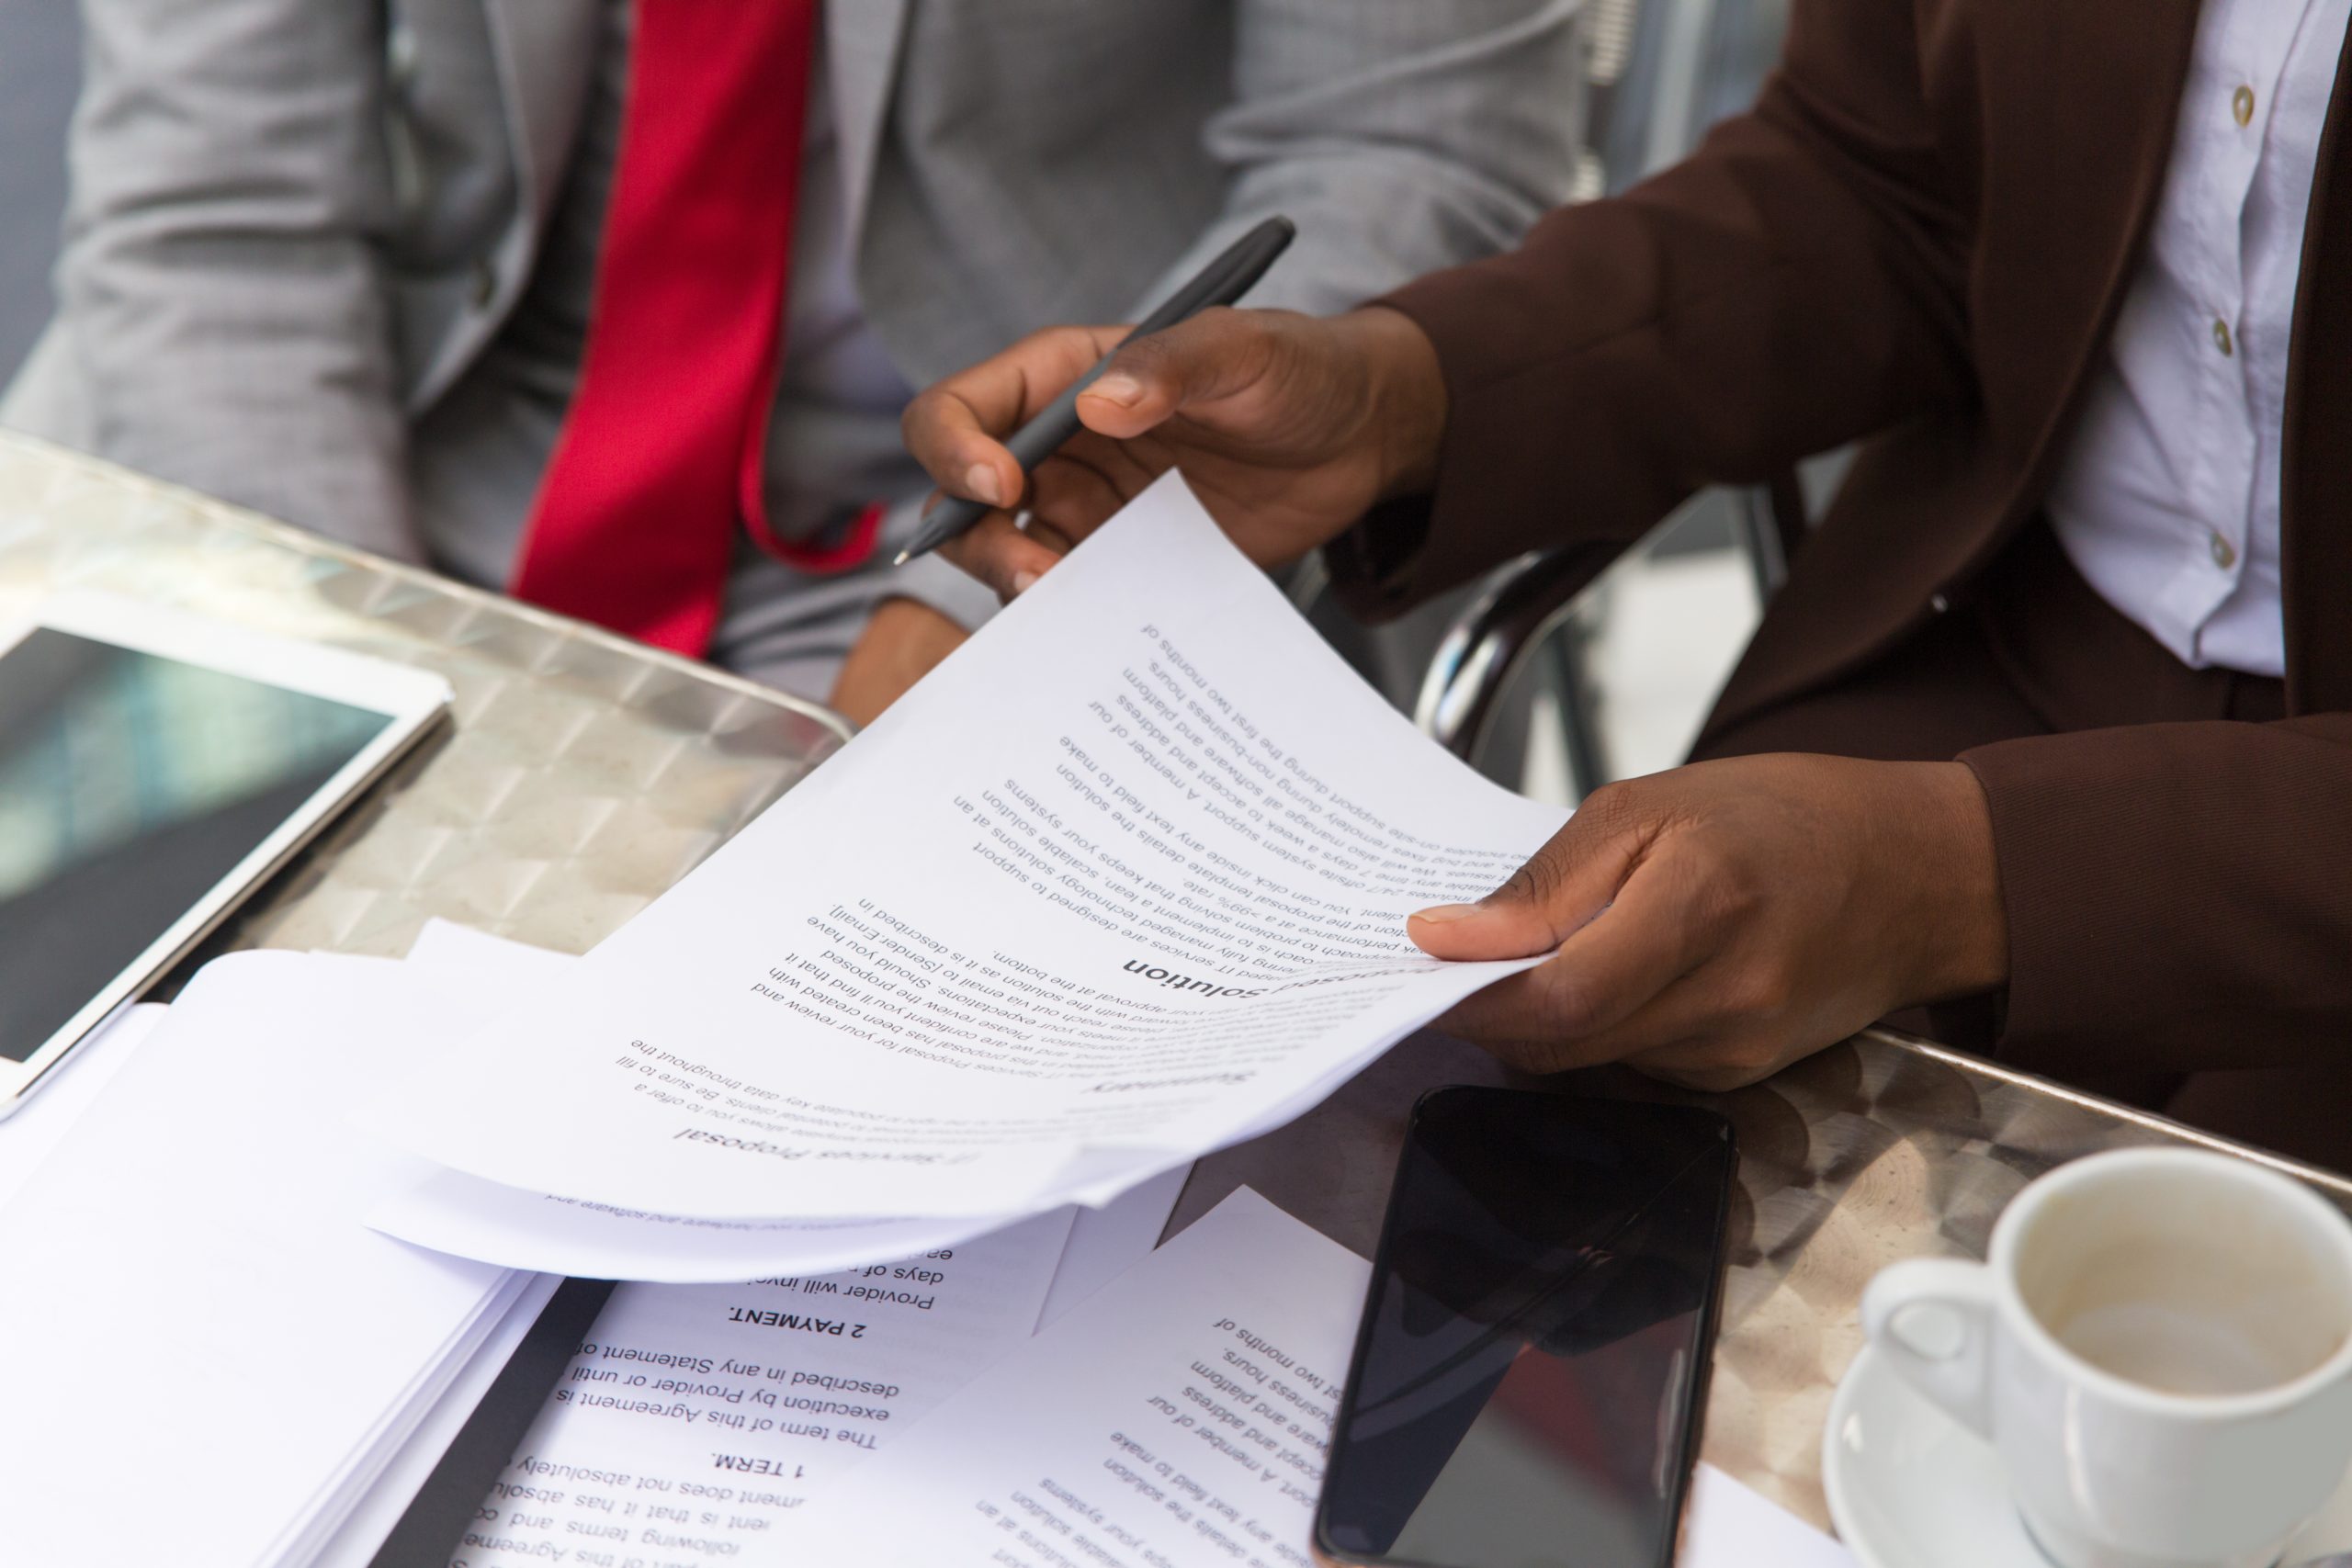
{"x": 1965, "y": 948}
{"x": 903, "y": 641}
{"x": 1407, "y": 398}
{"x": 902, "y": 615}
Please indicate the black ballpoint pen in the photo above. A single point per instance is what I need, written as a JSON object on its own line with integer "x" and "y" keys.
{"x": 1222, "y": 282}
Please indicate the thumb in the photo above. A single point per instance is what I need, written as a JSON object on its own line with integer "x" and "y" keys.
{"x": 1557, "y": 892}
{"x": 1213, "y": 355}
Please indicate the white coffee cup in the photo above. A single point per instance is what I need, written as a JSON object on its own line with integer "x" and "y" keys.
{"x": 2160, "y": 1349}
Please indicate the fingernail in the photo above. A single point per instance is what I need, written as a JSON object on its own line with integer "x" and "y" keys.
{"x": 1023, "y": 581}
{"x": 1122, "y": 389}
{"x": 1446, "y": 914}
{"x": 980, "y": 482}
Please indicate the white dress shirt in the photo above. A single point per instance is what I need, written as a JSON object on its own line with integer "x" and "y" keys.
{"x": 2168, "y": 501}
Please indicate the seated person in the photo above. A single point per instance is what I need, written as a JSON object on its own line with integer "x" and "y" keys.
{"x": 2049, "y": 727}
{"x": 618, "y": 304}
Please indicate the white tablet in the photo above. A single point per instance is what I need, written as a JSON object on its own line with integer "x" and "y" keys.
{"x": 154, "y": 768}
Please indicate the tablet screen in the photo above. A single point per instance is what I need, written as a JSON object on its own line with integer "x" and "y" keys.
{"x": 130, "y": 785}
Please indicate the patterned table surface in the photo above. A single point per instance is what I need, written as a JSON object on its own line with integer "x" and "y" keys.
{"x": 584, "y": 774}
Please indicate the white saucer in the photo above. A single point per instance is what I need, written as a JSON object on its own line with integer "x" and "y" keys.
{"x": 1910, "y": 1487}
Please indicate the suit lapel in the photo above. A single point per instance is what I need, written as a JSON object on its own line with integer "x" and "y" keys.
{"x": 2081, "y": 147}
{"x": 2315, "y": 500}
{"x": 2058, "y": 118}
{"x": 862, "y": 40}
{"x": 546, "y": 56}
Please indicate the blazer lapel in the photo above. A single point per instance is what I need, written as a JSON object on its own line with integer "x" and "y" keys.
{"x": 2315, "y": 500}
{"x": 546, "y": 54}
{"x": 2058, "y": 123}
{"x": 2079, "y": 148}
{"x": 862, "y": 44}
{"x": 545, "y": 51}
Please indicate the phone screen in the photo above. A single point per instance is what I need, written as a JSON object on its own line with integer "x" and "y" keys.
{"x": 130, "y": 785}
{"x": 1528, "y": 1378}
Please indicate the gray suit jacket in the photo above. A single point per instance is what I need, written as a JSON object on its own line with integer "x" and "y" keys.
{"x": 295, "y": 223}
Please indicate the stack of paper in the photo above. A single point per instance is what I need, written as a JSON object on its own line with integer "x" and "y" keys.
{"x": 211, "y": 1357}
{"x": 194, "y": 1294}
{"x": 1126, "y": 879}
{"x": 27, "y": 1137}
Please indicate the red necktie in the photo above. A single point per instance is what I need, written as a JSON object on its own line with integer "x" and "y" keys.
{"x": 663, "y": 448}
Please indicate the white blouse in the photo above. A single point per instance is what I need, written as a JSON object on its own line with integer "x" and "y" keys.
{"x": 2168, "y": 502}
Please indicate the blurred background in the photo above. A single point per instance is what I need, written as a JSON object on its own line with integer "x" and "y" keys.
{"x": 1609, "y": 685}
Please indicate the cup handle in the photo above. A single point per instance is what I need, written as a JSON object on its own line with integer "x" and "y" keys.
{"x": 1957, "y": 1376}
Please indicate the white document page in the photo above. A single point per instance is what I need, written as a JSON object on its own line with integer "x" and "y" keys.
{"x": 364, "y": 1467}
{"x": 193, "y": 1305}
{"x": 465, "y": 1215}
{"x": 699, "y": 1418}
{"x": 1180, "y": 1417}
{"x": 1127, "y": 872}
{"x": 1727, "y": 1525}
{"x": 444, "y": 947}
{"x": 472, "y": 1218}
{"x": 1105, "y": 1243}
{"x": 361, "y": 1532}
{"x": 51, "y": 1110}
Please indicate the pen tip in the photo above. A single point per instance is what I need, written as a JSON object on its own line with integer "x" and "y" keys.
{"x": 904, "y": 556}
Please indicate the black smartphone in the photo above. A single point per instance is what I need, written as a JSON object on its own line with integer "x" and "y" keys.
{"x": 1531, "y": 1369}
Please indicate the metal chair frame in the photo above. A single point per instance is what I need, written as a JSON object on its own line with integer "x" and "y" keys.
{"x": 1652, "y": 97}
{"x": 1528, "y": 610}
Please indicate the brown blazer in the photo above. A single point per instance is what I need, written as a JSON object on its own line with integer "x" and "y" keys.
{"x": 1918, "y": 238}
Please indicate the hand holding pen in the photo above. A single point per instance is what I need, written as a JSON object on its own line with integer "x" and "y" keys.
{"x": 1288, "y": 427}
{"x": 1224, "y": 280}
